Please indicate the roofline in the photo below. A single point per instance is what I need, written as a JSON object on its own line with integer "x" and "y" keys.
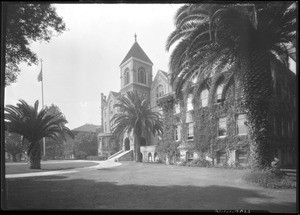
{"x": 133, "y": 58}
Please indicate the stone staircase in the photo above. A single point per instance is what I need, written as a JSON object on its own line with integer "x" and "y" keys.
{"x": 122, "y": 156}
{"x": 291, "y": 173}
{"x": 114, "y": 155}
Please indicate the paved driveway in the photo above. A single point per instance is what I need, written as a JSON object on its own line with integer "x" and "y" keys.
{"x": 147, "y": 186}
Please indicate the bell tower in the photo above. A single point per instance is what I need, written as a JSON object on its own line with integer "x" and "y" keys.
{"x": 136, "y": 71}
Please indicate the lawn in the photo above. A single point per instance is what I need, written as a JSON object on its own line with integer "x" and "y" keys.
{"x": 148, "y": 187}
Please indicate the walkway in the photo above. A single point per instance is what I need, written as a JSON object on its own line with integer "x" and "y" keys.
{"x": 101, "y": 165}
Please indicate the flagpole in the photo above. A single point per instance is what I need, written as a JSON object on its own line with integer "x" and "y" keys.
{"x": 44, "y": 144}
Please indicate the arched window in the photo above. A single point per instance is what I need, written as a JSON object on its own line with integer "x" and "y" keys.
{"x": 204, "y": 98}
{"x": 126, "y": 77}
{"x": 190, "y": 102}
{"x": 219, "y": 93}
{"x": 142, "y": 76}
{"x": 111, "y": 107}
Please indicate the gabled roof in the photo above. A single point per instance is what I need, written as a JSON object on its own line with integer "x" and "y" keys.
{"x": 159, "y": 73}
{"x": 115, "y": 94}
{"x": 87, "y": 128}
{"x": 165, "y": 73}
{"x": 137, "y": 52}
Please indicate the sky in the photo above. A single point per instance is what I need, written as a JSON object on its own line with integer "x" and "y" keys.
{"x": 83, "y": 62}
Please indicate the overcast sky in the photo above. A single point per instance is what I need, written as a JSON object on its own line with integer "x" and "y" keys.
{"x": 84, "y": 61}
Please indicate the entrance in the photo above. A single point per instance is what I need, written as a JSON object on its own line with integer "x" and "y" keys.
{"x": 127, "y": 144}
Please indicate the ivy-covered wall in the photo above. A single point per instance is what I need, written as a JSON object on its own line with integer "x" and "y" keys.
{"x": 206, "y": 141}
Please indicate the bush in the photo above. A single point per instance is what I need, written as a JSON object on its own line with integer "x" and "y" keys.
{"x": 200, "y": 163}
{"x": 269, "y": 177}
{"x": 99, "y": 158}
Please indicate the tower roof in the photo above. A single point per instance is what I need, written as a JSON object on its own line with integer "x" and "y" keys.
{"x": 137, "y": 52}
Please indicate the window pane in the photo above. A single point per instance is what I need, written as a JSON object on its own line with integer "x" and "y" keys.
{"x": 204, "y": 98}
{"x": 189, "y": 103}
{"x": 177, "y": 108}
{"x": 222, "y": 127}
{"x": 241, "y": 127}
{"x": 190, "y": 131}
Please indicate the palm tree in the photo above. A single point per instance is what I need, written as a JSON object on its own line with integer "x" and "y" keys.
{"x": 33, "y": 125}
{"x": 247, "y": 37}
{"x": 136, "y": 116}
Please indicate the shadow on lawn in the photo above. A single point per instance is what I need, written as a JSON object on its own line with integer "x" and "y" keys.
{"x": 61, "y": 192}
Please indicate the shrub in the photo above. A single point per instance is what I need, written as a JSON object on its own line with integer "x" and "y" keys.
{"x": 269, "y": 177}
{"x": 100, "y": 158}
{"x": 182, "y": 163}
{"x": 200, "y": 163}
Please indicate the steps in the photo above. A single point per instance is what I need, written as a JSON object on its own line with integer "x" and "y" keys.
{"x": 114, "y": 155}
{"x": 123, "y": 156}
{"x": 291, "y": 173}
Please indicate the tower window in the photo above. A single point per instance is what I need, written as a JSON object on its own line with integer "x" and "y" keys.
{"x": 142, "y": 76}
{"x": 126, "y": 77}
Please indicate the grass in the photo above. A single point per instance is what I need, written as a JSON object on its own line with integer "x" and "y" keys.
{"x": 146, "y": 186}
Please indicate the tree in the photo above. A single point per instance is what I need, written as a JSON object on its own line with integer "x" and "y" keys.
{"x": 136, "y": 116}
{"x": 26, "y": 23}
{"x": 247, "y": 37}
{"x": 13, "y": 145}
{"x": 85, "y": 144}
{"x": 54, "y": 147}
{"x": 33, "y": 125}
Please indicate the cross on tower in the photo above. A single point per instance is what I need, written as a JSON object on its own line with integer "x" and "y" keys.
{"x": 135, "y": 37}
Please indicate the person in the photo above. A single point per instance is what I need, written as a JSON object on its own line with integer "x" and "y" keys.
{"x": 275, "y": 163}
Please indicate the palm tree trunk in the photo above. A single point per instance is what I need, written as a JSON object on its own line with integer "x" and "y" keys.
{"x": 34, "y": 156}
{"x": 256, "y": 80}
{"x": 137, "y": 150}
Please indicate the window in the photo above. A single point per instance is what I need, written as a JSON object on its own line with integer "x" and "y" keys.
{"x": 142, "y": 76}
{"x": 126, "y": 77}
{"x": 177, "y": 108}
{"x": 189, "y": 156}
{"x": 160, "y": 111}
{"x": 190, "y": 131}
{"x": 105, "y": 127}
{"x": 241, "y": 126}
{"x": 204, "y": 98}
{"x": 190, "y": 103}
{"x": 159, "y": 92}
{"x": 177, "y": 133}
{"x": 219, "y": 93}
{"x": 222, "y": 127}
{"x": 111, "y": 108}
{"x": 194, "y": 78}
{"x": 242, "y": 156}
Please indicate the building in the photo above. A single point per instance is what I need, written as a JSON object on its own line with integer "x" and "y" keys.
{"x": 136, "y": 75}
{"x": 210, "y": 122}
{"x": 207, "y": 122}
